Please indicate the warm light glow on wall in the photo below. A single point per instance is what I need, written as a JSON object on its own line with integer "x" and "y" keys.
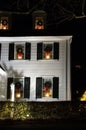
{"x": 83, "y": 98}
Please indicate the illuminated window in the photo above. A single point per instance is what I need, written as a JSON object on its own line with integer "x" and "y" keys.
{"x": 39, "y": 20}
{"x": 39, "y": 23}
{"x": 47, "y": 88}
{"x": 19, "y": 52}
{"x": 4, "y": 25}
{"x": 18, "y": 88}
{"x": 48, "y": 51}
{"x": 22, "y": 87}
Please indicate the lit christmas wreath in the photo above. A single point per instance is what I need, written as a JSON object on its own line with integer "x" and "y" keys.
{"x": 4, "y": 22}
{"x": 47, "y": 85}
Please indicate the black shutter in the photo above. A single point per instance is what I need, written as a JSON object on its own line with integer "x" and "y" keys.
{"x": 56, "y": 50}
{"x": 39, "y": 50}
{"x": 11, "y": 51}
{"x": 9, "y": 81}
{"x": 38, "y": 87}
{"x": 0, "y": 51}
{"x": 55, "y": 87}
{"x": 27, "y": 50}
{"x": 26, "y": 87}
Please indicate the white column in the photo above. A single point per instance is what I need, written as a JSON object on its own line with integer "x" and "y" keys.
{"x": 12, "y": 92}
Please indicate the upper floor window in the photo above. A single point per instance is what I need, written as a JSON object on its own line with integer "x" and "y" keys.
{"x": 47, "y": 51}
{"x": 19, "y": 51}
{"x": 39, "y": 20}
{"x": 39, "y": 23}
{"x": 4, "y": 23}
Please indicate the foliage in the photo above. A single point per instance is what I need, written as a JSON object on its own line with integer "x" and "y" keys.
{"x": 42, "y": 110}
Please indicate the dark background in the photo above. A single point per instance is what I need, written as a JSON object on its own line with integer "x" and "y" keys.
{"x": 64, "y": 17}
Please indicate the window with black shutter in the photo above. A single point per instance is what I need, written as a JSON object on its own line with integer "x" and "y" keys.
{"x": 0, "y": 51}
{"x": 11, "y": 51}
{"x": 22, "y": 88}
{"x": 28, "y": 50}
{"x": 55, "y": 87}
{"x": 19, "y": 51}
{"x": 9, "y": 82}
{"x": 39, "y": 50}
{"x": 26, "y": 87}
{"x": 47, "y": 87}
{"x": 39, "y": 87}
{"x": 56, "y": 50}
{"x": 47, "y": 51}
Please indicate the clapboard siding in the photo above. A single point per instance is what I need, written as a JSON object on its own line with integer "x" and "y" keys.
{"x": 37, "y": 68}
{"x": 33, "y": 64}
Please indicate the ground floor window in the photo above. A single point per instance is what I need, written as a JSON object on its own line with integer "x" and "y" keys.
{"x": 22, "y": 87}
{"x": 47, "y": 87}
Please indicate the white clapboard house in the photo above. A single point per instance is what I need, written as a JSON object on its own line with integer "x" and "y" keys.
{"x": 38, "y": 66}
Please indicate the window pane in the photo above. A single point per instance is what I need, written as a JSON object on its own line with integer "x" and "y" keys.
{"x": 19, "y": 52}
{"x": 18, "y": 88}
{"x": 47, "y": 51}
{"x": 39, "y": 23}
{"x": 4, "y": 23}
{"x": 47, "y": 88}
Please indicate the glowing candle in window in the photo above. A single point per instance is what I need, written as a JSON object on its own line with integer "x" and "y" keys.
{"x": 18, "y": 94}
{"x": 47, "y": 92}
{"x": 19, "y": 54}
{"x": 47, "y": 55}
{"x": 18, "y": 91}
